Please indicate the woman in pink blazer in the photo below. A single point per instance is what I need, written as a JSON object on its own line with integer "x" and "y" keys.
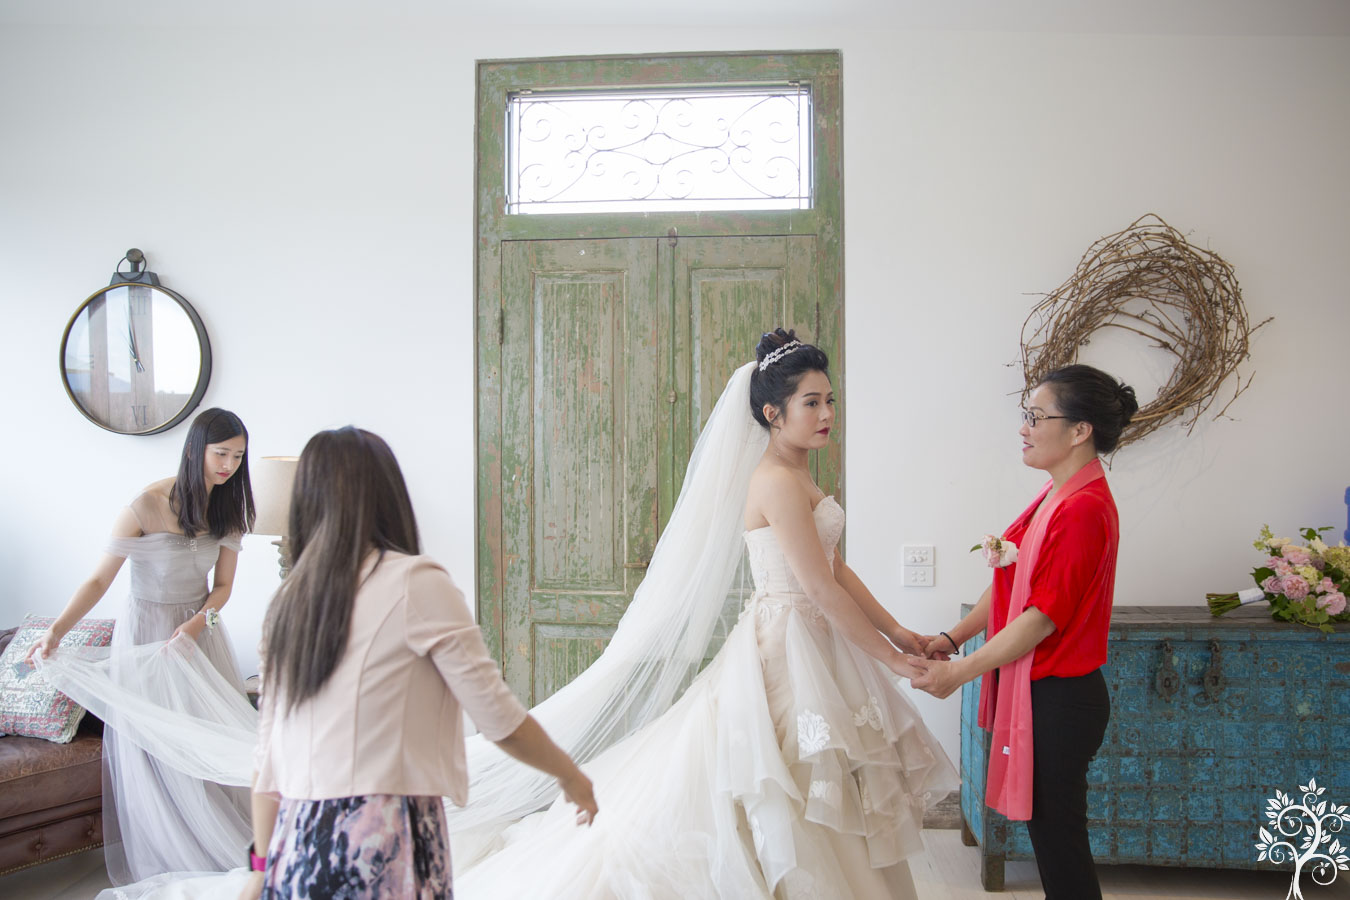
{"x": 370, "y": 656}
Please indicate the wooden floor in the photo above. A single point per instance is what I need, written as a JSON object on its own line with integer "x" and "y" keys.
{"x": 947, "y": 871}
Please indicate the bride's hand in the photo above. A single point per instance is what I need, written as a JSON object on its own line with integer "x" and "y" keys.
{"x": 935, "y": 647}
{"x": 939, "y": 678}
{"x": 903, "y": 664}
{"x": 908, "y": 641}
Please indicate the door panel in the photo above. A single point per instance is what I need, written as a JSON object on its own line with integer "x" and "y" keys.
{"x": 727, "y": 291}
{"x": 579, "y": 500}
{"x": 613, "y": 354}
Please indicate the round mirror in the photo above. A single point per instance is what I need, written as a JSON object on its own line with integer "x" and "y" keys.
{"x": 135, "y": 358}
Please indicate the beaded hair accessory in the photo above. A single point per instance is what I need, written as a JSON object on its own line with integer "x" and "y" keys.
{"x": 778, "y": 354}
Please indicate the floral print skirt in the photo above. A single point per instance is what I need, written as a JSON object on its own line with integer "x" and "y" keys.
{"x": 355, "y": 848}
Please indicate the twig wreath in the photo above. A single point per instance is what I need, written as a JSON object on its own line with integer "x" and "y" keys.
{"x": 1150, "y": 281}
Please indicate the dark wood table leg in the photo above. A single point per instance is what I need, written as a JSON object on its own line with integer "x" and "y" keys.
{"x": 991, "y": 871}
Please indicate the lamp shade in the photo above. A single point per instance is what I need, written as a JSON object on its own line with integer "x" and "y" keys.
{"x": 272, "y": 479}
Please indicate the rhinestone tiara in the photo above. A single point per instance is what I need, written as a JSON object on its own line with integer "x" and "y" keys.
{"x": 778, "y": 354}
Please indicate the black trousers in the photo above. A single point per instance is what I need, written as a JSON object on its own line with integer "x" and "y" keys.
{"x": 1069, "y": 717}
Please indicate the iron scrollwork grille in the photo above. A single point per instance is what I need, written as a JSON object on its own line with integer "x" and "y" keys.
{"x": 638, "y": 151}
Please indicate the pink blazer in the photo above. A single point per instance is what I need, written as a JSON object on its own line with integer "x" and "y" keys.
{"x": 389, "y": 720}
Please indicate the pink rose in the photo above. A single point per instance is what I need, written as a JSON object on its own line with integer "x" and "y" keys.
{"x": 1335, "y": 604}
{"x": 1297, "y": 556}
{"x": 1294, "y": 587}
{"x": 1271, "y": 585}
{"x": 1279, "y": 565}
{"x": 1327, "y": 586}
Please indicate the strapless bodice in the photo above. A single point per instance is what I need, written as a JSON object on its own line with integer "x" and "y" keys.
{"x": 769, "y": 567}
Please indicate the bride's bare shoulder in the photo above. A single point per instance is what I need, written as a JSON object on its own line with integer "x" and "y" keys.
{"x": 772, "y": 476}
{"x": 774, "y": 488}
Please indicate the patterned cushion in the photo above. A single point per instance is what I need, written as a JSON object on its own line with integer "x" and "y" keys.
{"x": 31, "y": 707}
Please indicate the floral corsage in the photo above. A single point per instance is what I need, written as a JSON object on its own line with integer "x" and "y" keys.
{"x": 996, "y": 551}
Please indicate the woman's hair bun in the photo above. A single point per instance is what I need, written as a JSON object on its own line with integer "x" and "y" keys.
{"x": 1129, "y": 404}
{"x": 1085, "y": 394}
{"x": 770, "y": 341}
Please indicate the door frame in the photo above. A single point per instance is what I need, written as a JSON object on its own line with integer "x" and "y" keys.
{"x": 495, "y": 81}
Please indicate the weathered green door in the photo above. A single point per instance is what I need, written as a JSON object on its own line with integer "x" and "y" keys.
{"x": 613, "y": 354}
{"x": 603, "y": 340}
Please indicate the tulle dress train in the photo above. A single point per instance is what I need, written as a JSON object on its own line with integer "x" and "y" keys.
{"x": 792, "y": 767}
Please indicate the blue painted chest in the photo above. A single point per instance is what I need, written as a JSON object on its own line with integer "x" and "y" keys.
{"x": 1209, "y": 717}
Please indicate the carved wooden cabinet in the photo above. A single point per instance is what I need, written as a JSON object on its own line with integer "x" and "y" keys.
{"x": 1209, "y": 717}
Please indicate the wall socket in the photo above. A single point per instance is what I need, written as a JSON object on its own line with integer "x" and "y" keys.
{"x": 917, "y": 554}
{"x": 919, "y": 576}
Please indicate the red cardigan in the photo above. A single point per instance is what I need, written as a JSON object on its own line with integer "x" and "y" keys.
{"x": 1074, "y": 584}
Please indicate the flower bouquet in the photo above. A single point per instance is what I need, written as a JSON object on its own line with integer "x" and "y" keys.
{"x": 1304, "y": 583}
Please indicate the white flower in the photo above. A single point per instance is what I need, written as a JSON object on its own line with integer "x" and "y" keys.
{"x": 827, "y": 791}
{"x": 868, "y": 714}
{"x": 813, "y": 733}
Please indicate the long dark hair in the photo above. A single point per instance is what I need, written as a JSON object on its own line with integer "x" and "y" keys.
{"x": 1086, "y": 394}
{"x": 777, "y": 381}
{"x": 349, "y": 497}
{"x": 228, "y": 509}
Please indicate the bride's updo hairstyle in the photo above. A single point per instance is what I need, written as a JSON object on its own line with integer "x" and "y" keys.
{"x": 783, "y": 360}
{"x": 1085, "y": 394}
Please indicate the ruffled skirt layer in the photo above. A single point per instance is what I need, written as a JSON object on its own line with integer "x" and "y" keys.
{"x": 792, "y": 767}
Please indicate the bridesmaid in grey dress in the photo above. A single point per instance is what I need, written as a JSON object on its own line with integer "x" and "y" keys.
{"x": 175, "y": 532}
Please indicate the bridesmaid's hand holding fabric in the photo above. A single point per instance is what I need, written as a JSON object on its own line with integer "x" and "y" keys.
{"x": 43, "y": 646}
{"x": 191, "y": 628}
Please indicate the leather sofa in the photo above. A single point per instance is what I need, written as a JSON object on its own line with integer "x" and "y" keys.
{"x": 51, "y": 795}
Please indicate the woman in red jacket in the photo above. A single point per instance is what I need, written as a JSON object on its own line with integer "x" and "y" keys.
{"x": 1047, "y": 615}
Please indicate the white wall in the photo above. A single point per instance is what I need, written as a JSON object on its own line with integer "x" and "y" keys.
{"x": 310, "y": 191}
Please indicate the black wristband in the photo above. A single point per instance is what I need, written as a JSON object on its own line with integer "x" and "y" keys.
{"x": 955, "y": 649}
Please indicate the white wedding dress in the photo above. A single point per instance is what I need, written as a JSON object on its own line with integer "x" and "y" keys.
{"x": 791, "y": 766}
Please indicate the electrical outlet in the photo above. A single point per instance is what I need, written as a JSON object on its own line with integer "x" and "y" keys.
{"x": 917, "y": 554}
{"x": 919, "y": 576}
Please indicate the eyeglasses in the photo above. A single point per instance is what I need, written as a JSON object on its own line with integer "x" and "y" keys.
{"x": 1030, "y": 419}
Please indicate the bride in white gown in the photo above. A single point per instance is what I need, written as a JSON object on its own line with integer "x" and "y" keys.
{"x": 792, "y": 766}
